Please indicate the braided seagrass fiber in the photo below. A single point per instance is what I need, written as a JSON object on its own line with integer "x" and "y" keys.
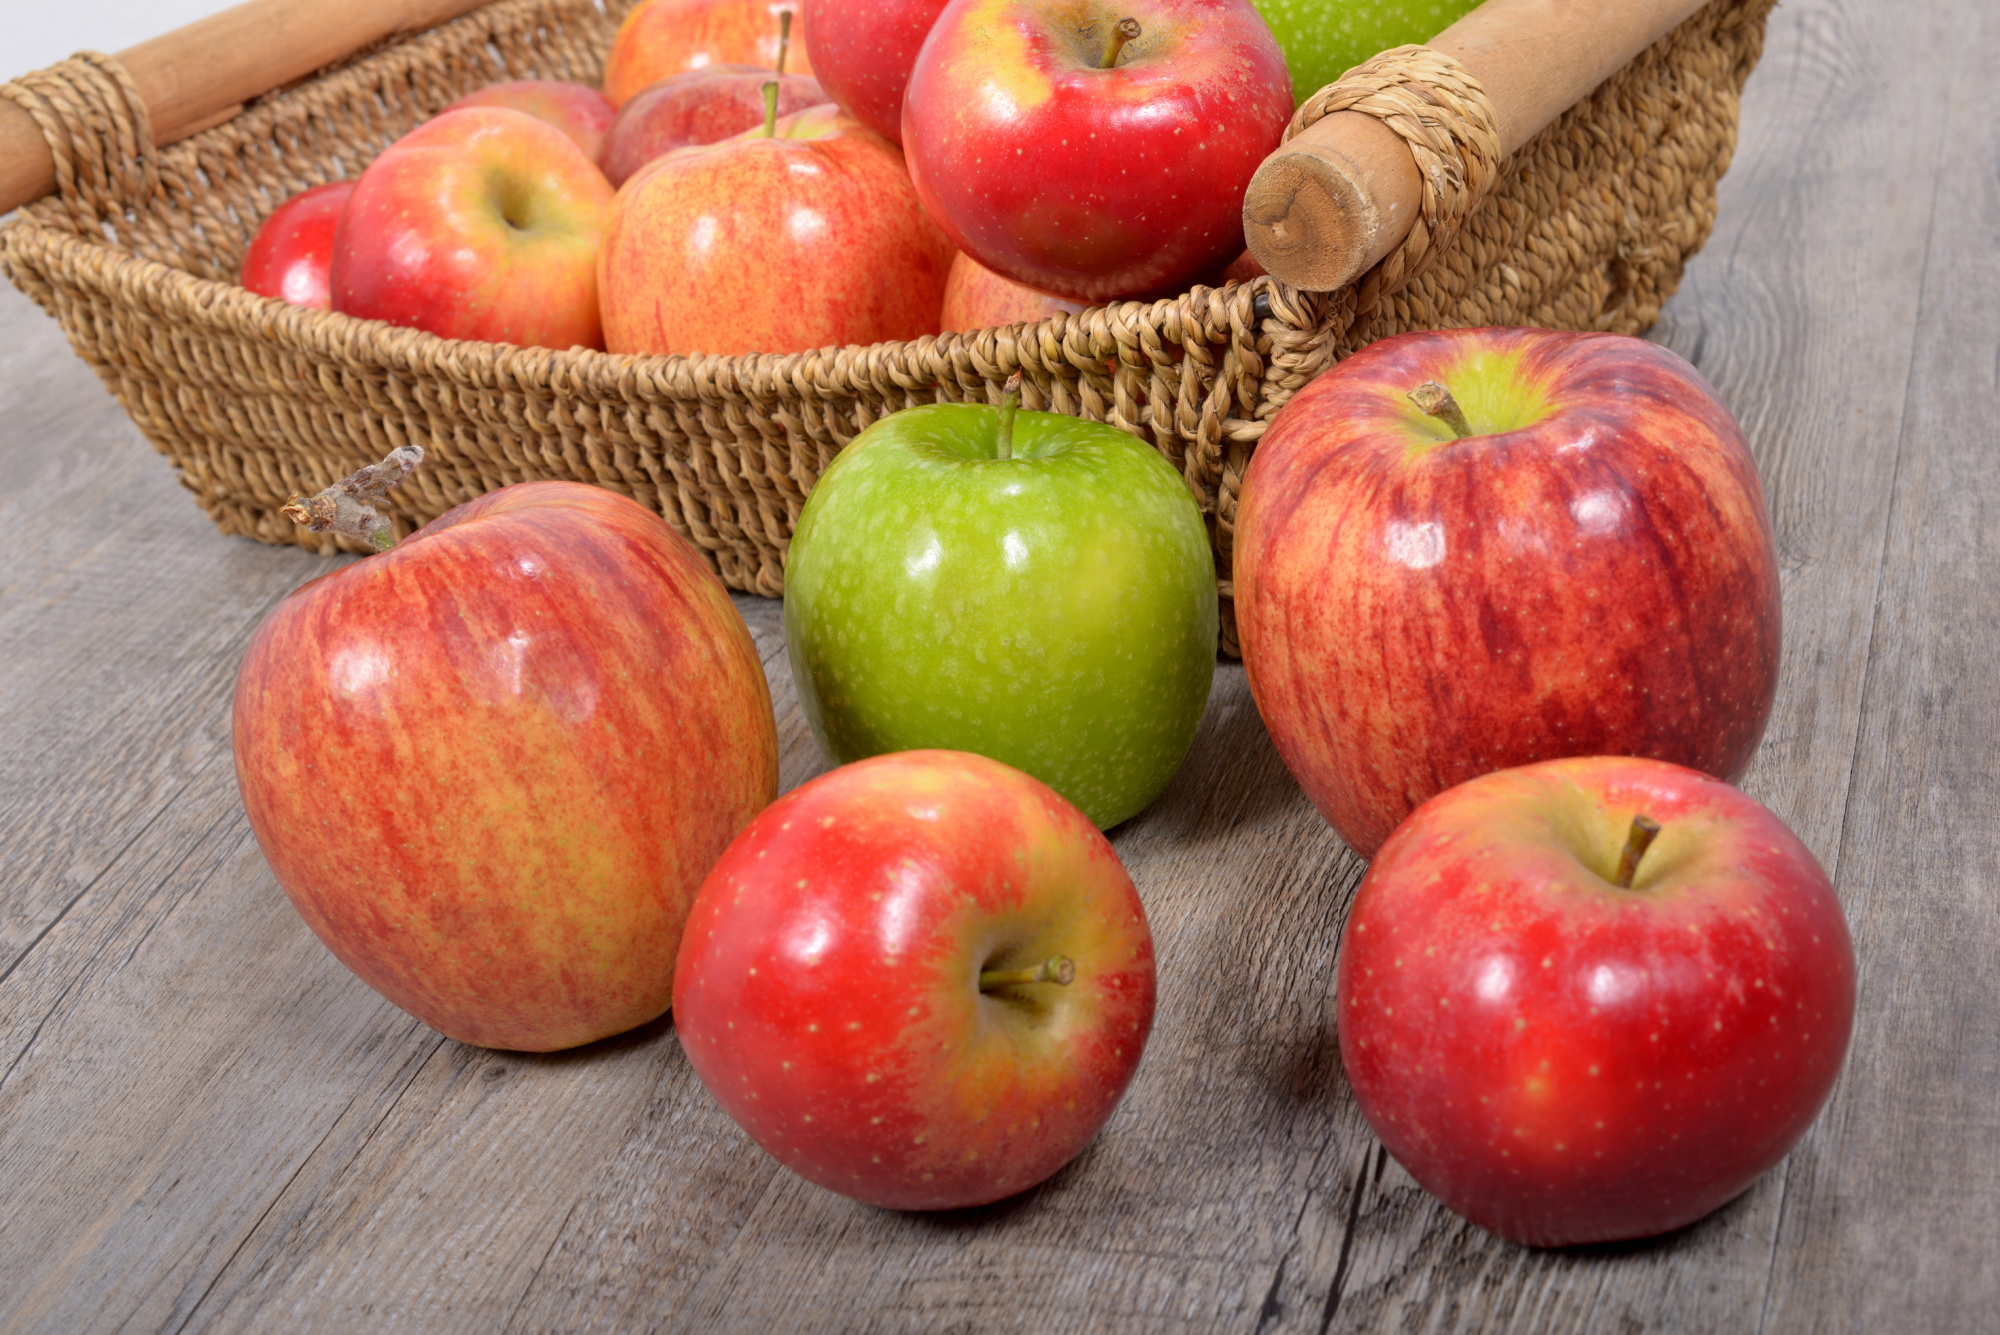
{"x": 254, "y": 401}
{"x": 1442, "y": 112}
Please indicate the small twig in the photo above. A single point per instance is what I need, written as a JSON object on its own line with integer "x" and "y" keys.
{"x": 348, "y": 506}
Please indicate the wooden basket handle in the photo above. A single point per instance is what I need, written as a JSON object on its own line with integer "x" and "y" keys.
{"x": 202, "y": 74}
{"x": 1342, "y": 195}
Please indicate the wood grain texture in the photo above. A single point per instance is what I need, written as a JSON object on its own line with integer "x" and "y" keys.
{"x": 207, "y": 1124}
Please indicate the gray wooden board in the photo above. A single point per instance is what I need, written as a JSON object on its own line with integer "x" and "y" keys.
{"x": 206, "y": 1123}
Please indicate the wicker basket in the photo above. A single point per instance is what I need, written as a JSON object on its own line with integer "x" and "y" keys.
{"x": 255, "y": 401}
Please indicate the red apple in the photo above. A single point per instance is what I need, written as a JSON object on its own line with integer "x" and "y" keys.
{"x": 699, "y": 107}
{"x": 804, "y": 239}
{"x": 661, "y": 38}
{"x": 1060, "y": 154}
{"x": 480, "y": 223}
{"x": 922, "y": 980}
{"x": 1564, "y": 1051}
{"x": 977, "y": 298}
{"x": 862, "y": 51}
{"x": 491, "y": 766}
{"x": 1589, "y": 571}
{"x": 577, "y": 109}
{"x": 291, "y": 254}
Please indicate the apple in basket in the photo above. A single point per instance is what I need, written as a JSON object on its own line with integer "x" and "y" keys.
{"x": 1320, "y": 48}
{"x": 923, "y": 981}
{"x": 699, "y": 107}
{"x": 1592, "y": 999}
{"x": 977, "y": 298}
{"x": 1028, "y": 586}
{"x": 577, "y": 109}
{"x": 481, "y": 223}
{"x": 862, "y": 52}
{"x": 801, "y": 234}
{"x": 491, "y": 766}
{"x": 1091, "y": 148}
{"x": 661, "y": 38}
{"x": 291, "y": 257}
{"x": 1461, "y": 551}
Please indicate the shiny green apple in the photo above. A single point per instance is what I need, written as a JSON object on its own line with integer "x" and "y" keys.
{"x": 1323, "y": 39}
{"x": 1027, "y": 586}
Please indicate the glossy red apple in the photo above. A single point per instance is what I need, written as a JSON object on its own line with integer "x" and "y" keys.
{"x": 661, "y": 38}
{"x": 1587, "y": 571}
{"x": 1565, "y": 1049}
{"x": 922, "y": 980}
{"x": 977, "y": 298}
{"x": 1059, "y": 153}
{"x": 492, "y": 765}
{"x": 290, "y": 257}
{"x": 863, "y": 50}
{"x": 699, "y": 107}
{"x": 480, "y": 223}
{"x": 808, "y": 238}
{"x": 577, "y": 109}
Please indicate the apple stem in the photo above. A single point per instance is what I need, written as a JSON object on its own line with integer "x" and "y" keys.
{"x": 1056, "y": 969}
{"x": 348, "y": 506}
{"x": 1010, "y": 402}
{"x": 1637, "y": 841}
{"x": 1126, "y": 31}
{"x": 1436, "y": 400}
{"x": 784, "y": 37}
{"x": 771, "y": 109}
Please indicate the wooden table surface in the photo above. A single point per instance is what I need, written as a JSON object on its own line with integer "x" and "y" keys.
{"x": 207, "y": 1123}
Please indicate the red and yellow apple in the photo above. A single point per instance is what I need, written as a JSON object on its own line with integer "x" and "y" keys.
{"x": 577, "y": 109}
{"x": 1571, "y": 1035}
{"x": 1062, "y": 153}
{"x": 977, "y": 298}
{"x": 1578, "y": 563}
{"x": 492, "y": 765}
{"x": 862, "y": 52}
{"x": 661, "y": 38}
{"x": 699, "y": 107}
{"x": 805, "y": 238}
{"x": 291, "y": 257}
{"x": 922, "y": 980}
{"x": 480, "y": 223}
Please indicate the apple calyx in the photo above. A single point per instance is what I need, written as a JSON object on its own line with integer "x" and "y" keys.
{"x": 1126, "y": 31}
{"x": 1010, "y": 403}
{"x": 1437, "y": 401}
{"x": 784, "y": 37}
{"x": 1637, "y": 841}
{"x": 1057, "y": 969}
{"x": 348, "y": 506}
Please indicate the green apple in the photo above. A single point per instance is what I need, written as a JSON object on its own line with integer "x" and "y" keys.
{"x": 1027, "y": 586}
{"x": 1323, "y": 39}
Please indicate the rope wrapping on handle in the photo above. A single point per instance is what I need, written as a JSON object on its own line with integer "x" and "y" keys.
{"x": 99, "y": 134}
{"x": 1442, "y": 112}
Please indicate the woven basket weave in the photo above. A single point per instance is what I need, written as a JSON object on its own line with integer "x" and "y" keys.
{"x": 254, "y": 401}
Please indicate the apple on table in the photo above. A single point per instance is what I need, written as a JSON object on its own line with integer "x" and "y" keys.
{"x": 491, "y": 766}
{"x": 923, "y": 981}
{"x": 1094, "y": 150}
{"x": 1028, "y": 586}
{"x": 661, "y": 38}
{"x": 291, "y": 257}
{"x": 1592, "y": 999}
{"x": 1558, "y": 547}
{"x": 802, "y": 234}
{"x": 481, "y": 223}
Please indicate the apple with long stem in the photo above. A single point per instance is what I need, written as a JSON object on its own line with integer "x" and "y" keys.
{"x": 661, "y": 38}
{"x": 702, "y": 106}
{"x": 923, "y": 981}
{"x": 1592, "y": 999}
